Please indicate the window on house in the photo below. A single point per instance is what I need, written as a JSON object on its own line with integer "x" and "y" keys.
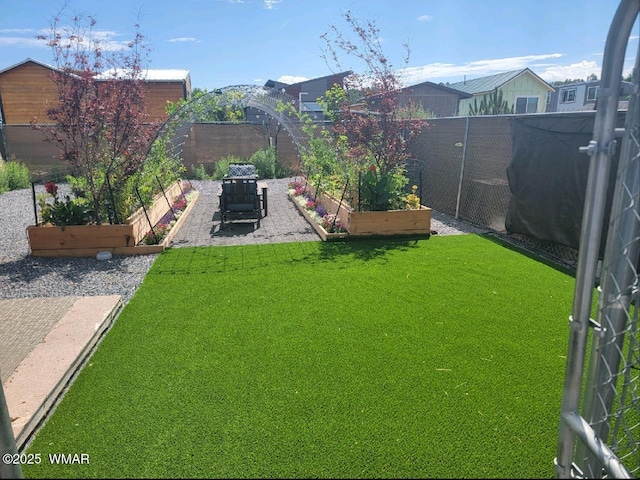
{"x": 568, "y": 95}
{"x": 592, "y": 94}
{"x": 548, "y": 98}
{"x": 526, "y": 104}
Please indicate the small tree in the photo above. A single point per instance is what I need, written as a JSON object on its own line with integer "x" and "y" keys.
{"x": 377, "y": 136}
{"x": 99, "y": 121}
{"x": 491, "y": 105}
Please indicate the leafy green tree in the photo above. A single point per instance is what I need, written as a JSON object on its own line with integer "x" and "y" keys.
{"x": 210, "y": 106}
{"x": 413, "y": 110}
{"x": 334, "y": 102}
{"x": 567, "y": 81}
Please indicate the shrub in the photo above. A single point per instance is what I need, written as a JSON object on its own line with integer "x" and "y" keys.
{"x": 282, "y": 170}
{"x": 265, "y": 163}
{"x": 200, "y": 172}
{"x": 14, "y": 175}
{"x": 222, "y": 166}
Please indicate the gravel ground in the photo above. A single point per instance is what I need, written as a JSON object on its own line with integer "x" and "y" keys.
{"x": 23, "y": 276}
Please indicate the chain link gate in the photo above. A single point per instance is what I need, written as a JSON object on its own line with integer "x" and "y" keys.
{"x": 604, "y": 439}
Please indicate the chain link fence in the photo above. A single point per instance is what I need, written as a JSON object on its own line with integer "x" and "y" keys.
{"x": 460, "y": 164}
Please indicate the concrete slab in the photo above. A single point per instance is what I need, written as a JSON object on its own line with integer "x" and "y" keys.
{"x": 41, "y": 377}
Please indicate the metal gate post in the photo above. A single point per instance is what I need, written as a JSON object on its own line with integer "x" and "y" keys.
{"x": 617, "y": 290}
{"x": 464, "y": 157}
{"x": 600, "y": 149}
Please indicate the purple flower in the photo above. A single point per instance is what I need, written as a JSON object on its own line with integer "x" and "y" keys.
{"x": 320, "y": 210}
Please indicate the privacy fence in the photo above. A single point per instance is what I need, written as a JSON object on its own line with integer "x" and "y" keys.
{"x": 520, "y": 176}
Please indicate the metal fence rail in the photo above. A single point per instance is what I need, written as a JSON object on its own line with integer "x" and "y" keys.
{"x": 603, "y": 439}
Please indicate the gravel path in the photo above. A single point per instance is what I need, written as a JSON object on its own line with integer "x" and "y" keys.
{"x": 23, "y": 276}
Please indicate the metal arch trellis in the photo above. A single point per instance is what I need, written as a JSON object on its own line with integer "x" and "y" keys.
{"x": 599, "y": 434}
{"x": 266, "y": 99}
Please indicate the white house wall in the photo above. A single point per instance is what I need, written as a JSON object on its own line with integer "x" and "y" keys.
{"x": 577, "y": 104}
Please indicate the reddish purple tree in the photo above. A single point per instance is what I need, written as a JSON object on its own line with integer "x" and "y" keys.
{"x": 377, "y": 133}
{"x": 99, "y": 121}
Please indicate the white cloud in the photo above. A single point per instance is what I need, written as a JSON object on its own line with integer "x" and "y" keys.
{"x": 479, "y": 68}
{"x": 425, "y": 18}
{"x": 184, "y": 40}
{"x": 17, "y": 30}
{"x": 289, "y": 79}
{"x": 576, "y": 70}
{"x": 22, "y": 42}
{"x": 271, "y": 4}
{"x": 104, "y": 38}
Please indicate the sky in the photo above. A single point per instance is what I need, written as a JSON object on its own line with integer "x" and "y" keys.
{"x": 247, "y": 42}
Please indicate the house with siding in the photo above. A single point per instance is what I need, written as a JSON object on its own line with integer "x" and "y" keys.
{"x": 307, "y": 92}
{"x": 27, "y": 89}
{"x": 437, "y": 99}
{"x": 523, "y": 89}
{"x": 578, "y": 96}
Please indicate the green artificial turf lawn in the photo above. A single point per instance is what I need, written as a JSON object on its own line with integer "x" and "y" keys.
{"x": 440, "y": 357}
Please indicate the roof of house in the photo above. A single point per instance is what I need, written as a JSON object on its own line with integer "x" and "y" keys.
{"x": 491, "y": 82}
{"x": 275, "y": 83}
{"x": 150, "y": 75}
{"x": 446, "y": 88}
{"x": 28, "y": 60}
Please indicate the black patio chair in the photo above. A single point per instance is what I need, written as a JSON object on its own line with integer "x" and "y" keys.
{"x": 240, "y": 198}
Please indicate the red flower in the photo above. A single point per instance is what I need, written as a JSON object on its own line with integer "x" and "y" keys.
{"x": 51, "y": 188}
{"x": 372, "y": 168}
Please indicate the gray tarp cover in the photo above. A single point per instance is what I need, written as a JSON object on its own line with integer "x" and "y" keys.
{"x": 548, "y": 176}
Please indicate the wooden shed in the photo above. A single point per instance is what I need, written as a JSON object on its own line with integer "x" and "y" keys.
{"x": 439, "y": 100}
{"x": 27, "y": 89}
{"x": 161, "y": 86}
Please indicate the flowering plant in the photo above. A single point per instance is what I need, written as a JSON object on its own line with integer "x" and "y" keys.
{"x": 76, "y": 211}
{"x": 412, "y": 200}
{"x": 332, "y": 223}
{"x": 328, "y": 221}
{"x": 166, "y": 223}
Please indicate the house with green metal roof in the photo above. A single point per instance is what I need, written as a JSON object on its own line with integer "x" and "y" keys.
{"x": 522, "y": 89}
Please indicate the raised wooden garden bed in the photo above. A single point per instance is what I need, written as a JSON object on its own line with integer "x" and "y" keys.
{"x": 391, "y": 222}
{"x": 89, "y": 240}
{"x": 316, "y": 226}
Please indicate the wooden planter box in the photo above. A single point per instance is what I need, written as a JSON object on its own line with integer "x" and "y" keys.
{"x": 88, "y": 240}
{"x": 316, "y": 226}
{"x": 391, "y": 222}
